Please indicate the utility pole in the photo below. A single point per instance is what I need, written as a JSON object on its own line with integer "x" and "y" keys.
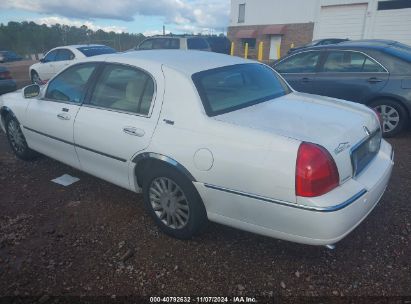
{"x": 164, "y": 30}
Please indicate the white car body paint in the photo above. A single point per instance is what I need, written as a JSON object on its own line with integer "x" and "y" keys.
{"x": 247, "y": 178}
{"x": 47, "y": 70}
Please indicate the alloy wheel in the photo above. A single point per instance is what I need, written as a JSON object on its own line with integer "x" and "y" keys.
{"x": 16, "y": 136}
{"x": 169, "y": 203}
{"x": 390, "y": 117}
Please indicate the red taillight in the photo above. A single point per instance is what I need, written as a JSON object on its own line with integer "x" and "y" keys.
{"x": 5, "y": 75}
{"x": 316, "y": 172}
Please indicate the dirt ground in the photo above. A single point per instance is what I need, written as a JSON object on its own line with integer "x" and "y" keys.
{"x": 95, "y": 239}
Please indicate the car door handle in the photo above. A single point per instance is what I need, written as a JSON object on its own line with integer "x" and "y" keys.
{"x": 134, "y": 131}
{"x": 374, "y": 80}
{"x": 63, "y": 116}
{"x": 305, "y": 79}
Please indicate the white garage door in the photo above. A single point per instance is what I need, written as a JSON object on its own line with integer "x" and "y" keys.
{"x": 393, "y": 24}
{"x": 341, "y": 21}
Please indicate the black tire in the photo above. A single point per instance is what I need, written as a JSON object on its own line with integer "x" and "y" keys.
{"x": 35, "y": 78}
{"x": 399, "y": 113}
{"x": 17, "y": 140}
{"x": 197, "y": 216}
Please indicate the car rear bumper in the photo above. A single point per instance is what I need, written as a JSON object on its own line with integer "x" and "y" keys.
{"x": 317, "y": 223}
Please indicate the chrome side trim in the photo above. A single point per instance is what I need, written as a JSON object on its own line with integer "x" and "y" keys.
{"x": 77, "y": 146}
{"x": 292, "y": 205}
{"x": 166, "y": 159}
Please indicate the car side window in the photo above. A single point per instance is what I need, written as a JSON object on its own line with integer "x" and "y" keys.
{"x": 124, "y": 88}
{"x": 146, "y": 45}
{"x": 64, "y": 54}
{"x": 343, "y": 61}
{"x": 305, "y": 62}
{"x": 70, "y": 85}
{"x": 50, "y": 56}
{"x": 197, "y": 44}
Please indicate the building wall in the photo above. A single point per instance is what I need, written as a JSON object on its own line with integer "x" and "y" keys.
{"x": 302, "y": 19}
{"x": 297, "y": 34}
{"x": 392, "y": 24}
{"x": 261, "y": 12}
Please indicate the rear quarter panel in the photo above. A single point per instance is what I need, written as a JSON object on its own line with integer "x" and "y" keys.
{"x": 241, "y": 158}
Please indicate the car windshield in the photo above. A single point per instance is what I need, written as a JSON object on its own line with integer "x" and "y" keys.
{"x": 235, "y": 87}
{"x": 94, "y": 50}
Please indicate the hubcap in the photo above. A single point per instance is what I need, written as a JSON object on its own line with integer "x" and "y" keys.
{"x": 169, "y": 203}
{"x": 390, "y": 117}
{"x": 16, "y": 137}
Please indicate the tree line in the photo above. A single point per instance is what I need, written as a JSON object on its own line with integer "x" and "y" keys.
{"x": 27, "y": 38}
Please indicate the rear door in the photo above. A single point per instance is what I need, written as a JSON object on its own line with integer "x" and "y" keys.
{"x": 117, "y": 120}
{"x": 63, "y": 59}
{"x": 350, "y": 75}
{"x": 300, "y": 70}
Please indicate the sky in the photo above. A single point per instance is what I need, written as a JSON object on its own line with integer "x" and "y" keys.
{"x": 133, "y": 16}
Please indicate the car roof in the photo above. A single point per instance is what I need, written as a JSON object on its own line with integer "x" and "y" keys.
{"x": 173, "y": 37}
{"x": 376, "y": 44}
{"x": 76, "y": 46}
{"x": 186, "y": 61}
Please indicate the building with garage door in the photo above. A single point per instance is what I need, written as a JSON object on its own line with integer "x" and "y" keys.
{"x": 282, "y": 23}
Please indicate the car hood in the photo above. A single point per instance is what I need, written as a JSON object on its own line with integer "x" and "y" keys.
{"x": 331, "y": 123}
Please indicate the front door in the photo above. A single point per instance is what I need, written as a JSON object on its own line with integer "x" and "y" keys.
{"x": 116, "y": 122}
{"x": 300, "y": 70}
{"x": 49, "y": 127}
{"x": 46, "y": 66}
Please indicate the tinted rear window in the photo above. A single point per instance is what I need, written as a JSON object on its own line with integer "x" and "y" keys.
{"x": 235, "y": 87}
{"x": 89, "y": 51}
{"x": 197, "y": 44}
{"x": 400, "y": 50}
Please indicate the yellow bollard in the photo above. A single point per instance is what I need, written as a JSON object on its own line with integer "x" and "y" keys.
{"x": 232, "y": 49}
{"x": 278, "y": 51}
{"x": 246, "y": 51}
{"x": 260, "y": 51}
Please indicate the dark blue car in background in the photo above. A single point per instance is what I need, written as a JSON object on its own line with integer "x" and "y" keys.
{"x": 376, "y": 73}
{"x": 7, "y": 83}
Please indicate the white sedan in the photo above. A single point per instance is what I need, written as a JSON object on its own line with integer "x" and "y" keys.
{"x": 212, "y": 137}
{"x": 60, "y": 57}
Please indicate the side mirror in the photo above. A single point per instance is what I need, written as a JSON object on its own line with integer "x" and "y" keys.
{"x": 42, "y": 60}
{"x": 31, "y": 91}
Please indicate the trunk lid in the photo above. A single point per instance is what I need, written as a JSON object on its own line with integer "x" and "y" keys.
{"x": 336, "y": 125}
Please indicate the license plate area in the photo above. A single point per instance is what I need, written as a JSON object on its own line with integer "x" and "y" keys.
{"x": 365, "y": 151}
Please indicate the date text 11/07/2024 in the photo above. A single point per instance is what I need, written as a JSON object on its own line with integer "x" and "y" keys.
{"x": 236, "y": 299}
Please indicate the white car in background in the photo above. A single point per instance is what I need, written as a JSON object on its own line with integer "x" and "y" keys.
{"x": 209, "y": 136}
{"x": 60, "y": 57}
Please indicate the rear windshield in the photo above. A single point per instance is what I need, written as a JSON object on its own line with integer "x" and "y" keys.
{"x": 235, "y": 87}
{"x": 400, "y": 50}
{"x": 89, "y": 51}
{"x": 197, "y": 44}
